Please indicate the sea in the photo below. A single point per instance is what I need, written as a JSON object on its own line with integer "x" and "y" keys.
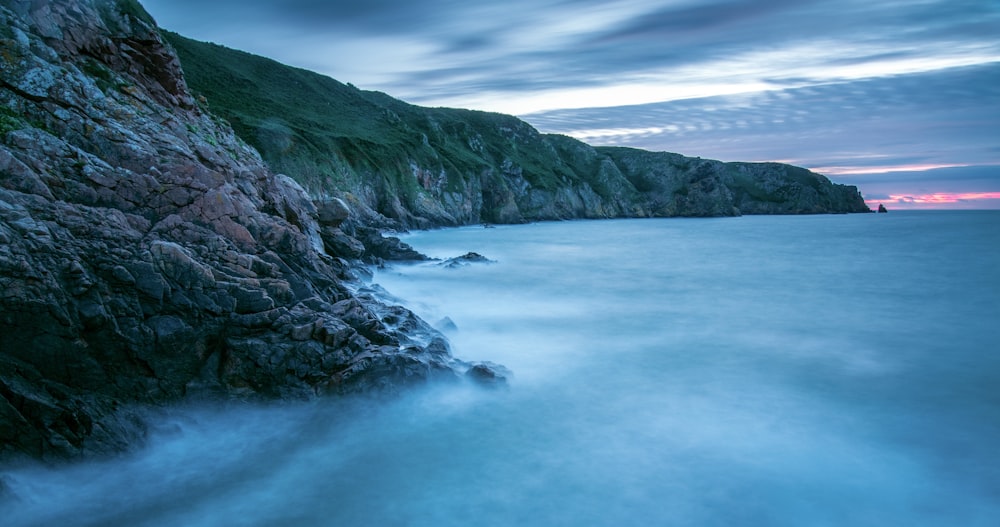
{"x": 829, "y": 370}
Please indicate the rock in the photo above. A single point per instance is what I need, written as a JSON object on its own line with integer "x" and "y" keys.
{"x": 466, "y": 259}
{"x": 148, "y": 253}
{"x": 882, "y": 209}
{"x": 332, "y": 212}
{"x": 338, "y": 243}
{"x": 378, "y": 246}
{"x": 176, "y": 264}
{"x": 122, "y": 275}
{"x": 303, "y": 332}
{"x": 446, "y": 325}
{"x": 488, "y": 374}
{"x": 250, "y": 300}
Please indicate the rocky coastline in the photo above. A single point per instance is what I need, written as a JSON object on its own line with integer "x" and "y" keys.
{"x": 149, "y": 254}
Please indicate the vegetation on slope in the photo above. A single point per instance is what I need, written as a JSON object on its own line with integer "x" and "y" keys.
{"x": 676, "y": 185}
{"x": 400, "y": 159}
{"x": 439, "y": 166}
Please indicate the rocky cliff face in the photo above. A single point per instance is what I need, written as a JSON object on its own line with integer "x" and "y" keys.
{"x": 408, "y": 166}
{"x": 147, "y": 253}
{"x": 676, "y": 185}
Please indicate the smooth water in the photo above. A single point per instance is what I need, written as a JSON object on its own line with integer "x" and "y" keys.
{"x": 800, "y": 371}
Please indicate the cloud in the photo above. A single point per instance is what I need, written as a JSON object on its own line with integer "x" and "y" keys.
{"x": 495, "y": 49}
{"x": 695, "y": 18}
{"x": 954, "y": 180}
{"x": 975, "y": 187}
{"x": 964, "y": 200}
{"x": 943, "y": 118}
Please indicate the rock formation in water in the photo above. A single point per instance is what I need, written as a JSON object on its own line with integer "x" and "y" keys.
{"x": 147, "y": 254}
{"x": 466, "y": 260}
{"x": 882, "y": 209}
{"x": 407, "y": 166}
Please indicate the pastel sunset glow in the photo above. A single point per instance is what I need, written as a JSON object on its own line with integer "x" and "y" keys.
{"x": 846, "y": 171}
{"x": 877, "y": 94}
{"x": 970, "y": 200}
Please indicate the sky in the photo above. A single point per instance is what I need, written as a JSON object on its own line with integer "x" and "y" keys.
{"x": 898, "y": 97}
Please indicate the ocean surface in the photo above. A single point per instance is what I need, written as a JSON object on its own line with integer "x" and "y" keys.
{"x": 773, "y": 371}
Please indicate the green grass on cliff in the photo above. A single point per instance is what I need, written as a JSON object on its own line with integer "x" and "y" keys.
{"x": 301, "y": 122}
{"x": 334, "y": 138}
{"x": 331, "y": 135}
{"x": 9, "y": 121}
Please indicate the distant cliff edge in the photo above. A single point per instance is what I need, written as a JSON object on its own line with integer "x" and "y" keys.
{"x": 407, "y": 166}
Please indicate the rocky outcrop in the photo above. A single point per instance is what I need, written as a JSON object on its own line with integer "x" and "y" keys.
{"x": 147, "y": 254}
{"x": 466, "y": 260}
{"x": 676, "y": 185}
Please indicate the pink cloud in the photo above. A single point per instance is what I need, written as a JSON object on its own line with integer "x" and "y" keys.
{"x": 940, "y": 200}
{"x": 853, "y": 171}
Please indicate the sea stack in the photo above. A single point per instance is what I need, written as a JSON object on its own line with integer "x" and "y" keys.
{"x": 882, "y": 209}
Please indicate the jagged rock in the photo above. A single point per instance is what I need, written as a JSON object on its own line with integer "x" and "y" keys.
{"x": 882, "y": 209}
{"x": 148, "y": 254}
{"x": 333, "y": 212}
{"x": 380, "y": 247}
{"x": 338, "y": 243}
{"x": 466, "y": 259}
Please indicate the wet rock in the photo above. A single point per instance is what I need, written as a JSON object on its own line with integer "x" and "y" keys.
{"x": 465, "y": 260}
{"x": 488, "y": 374}
{"x": 391, "y": 248}
{"x": 446, "y": 325}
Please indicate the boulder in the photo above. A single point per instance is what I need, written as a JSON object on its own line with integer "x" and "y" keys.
{"x": 465, "y": 260}
{"x": 332, "y": 212}
{"x": 488, "y": 374}
{"x": 380, "y": 247}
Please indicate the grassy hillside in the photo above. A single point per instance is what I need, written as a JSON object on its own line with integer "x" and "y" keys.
{"x": 333, "y": 137}
{"x": 439, "y": 166}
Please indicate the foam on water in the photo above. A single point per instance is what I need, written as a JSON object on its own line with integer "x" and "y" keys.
{"x": 827, "y": 370}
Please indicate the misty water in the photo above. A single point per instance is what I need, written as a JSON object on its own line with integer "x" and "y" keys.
{"x": 799, "y": 371}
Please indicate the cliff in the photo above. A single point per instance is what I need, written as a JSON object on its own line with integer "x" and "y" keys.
{"x": 150, "y": 251}
{"x": 676, "y": 185}
{"x": 147, "y": 254}
{"x": 407, "y": 166}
